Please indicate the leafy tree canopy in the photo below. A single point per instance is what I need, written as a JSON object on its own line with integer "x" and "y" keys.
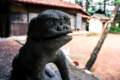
{"x": 117, "y": 1}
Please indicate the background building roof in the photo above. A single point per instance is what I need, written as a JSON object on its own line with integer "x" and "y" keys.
{"x": 58, "y": 3}
{"x": 55, "y": 3}
{"x": 84, "y": 16}
{"x": 100, "y": 16}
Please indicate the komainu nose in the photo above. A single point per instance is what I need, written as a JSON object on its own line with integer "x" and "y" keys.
{"x": 65, "y": 27}
{"x": 61, "y": 28}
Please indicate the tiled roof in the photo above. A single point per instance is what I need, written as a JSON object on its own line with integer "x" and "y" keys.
{"x": 57, "y": 3}
{"x": 100, "y": 16}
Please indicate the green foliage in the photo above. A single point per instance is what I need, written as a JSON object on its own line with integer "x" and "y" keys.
{"x": 89, "y": 7}
{"x": 91, "y": 13}
{"x": 115, "y": 30}
{"x": 88, "y": 2}
{"x": 92, "y": 10}
{"x": 9, "y": 69}
{"x": 92, "y": 6}
{"x": 1, "y": 55}
{"x": 11, "y": 52}
{"x": 99, "y": 3}
{"x": 108, "y": 15}
{"x": 117, "y": 1}
{"x": 91, "y": 34}
{"x": 79, "y": 3}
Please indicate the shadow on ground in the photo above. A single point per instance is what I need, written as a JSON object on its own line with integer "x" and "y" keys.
{"x": 9, "y": 48}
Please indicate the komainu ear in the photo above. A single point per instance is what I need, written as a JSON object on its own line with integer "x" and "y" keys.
{"x": 31, "y": 25}
{"x": 38, "y": 27}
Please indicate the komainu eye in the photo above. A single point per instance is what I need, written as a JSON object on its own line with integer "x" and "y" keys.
{"x": 50, "y": 22}
{"x": 67, "y": 21}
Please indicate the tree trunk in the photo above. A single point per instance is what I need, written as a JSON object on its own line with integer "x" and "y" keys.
{"x": 104, "y": 6}
{"x": 87, "y": 5}
{"x": 96, "y": 50}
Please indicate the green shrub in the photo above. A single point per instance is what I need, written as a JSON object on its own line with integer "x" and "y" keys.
{"x": 115, "y": 30}
{"x": 91, "y": 34}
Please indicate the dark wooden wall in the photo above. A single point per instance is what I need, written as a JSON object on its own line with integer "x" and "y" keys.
{"x": 21, "y": 28}
{"x": 18, "y": 8}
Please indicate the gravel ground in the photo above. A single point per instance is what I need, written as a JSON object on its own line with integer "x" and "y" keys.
{"x": 9, "y": 48}
{"x": 107, "y": 64}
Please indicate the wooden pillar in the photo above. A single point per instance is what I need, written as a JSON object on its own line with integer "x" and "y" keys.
{"x": 4, "y": 18}
{"x": 78, "y": 22}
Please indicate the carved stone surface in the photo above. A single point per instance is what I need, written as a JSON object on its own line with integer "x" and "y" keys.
{"x": 46, "y": 34}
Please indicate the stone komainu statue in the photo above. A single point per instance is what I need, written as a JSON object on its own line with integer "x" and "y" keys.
{"x": 46, "y": 34}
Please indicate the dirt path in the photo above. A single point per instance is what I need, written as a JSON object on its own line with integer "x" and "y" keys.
{"x": 107, "y": 64}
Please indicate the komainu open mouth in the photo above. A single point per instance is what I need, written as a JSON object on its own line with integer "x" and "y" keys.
{"x": 54, "y": 37}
